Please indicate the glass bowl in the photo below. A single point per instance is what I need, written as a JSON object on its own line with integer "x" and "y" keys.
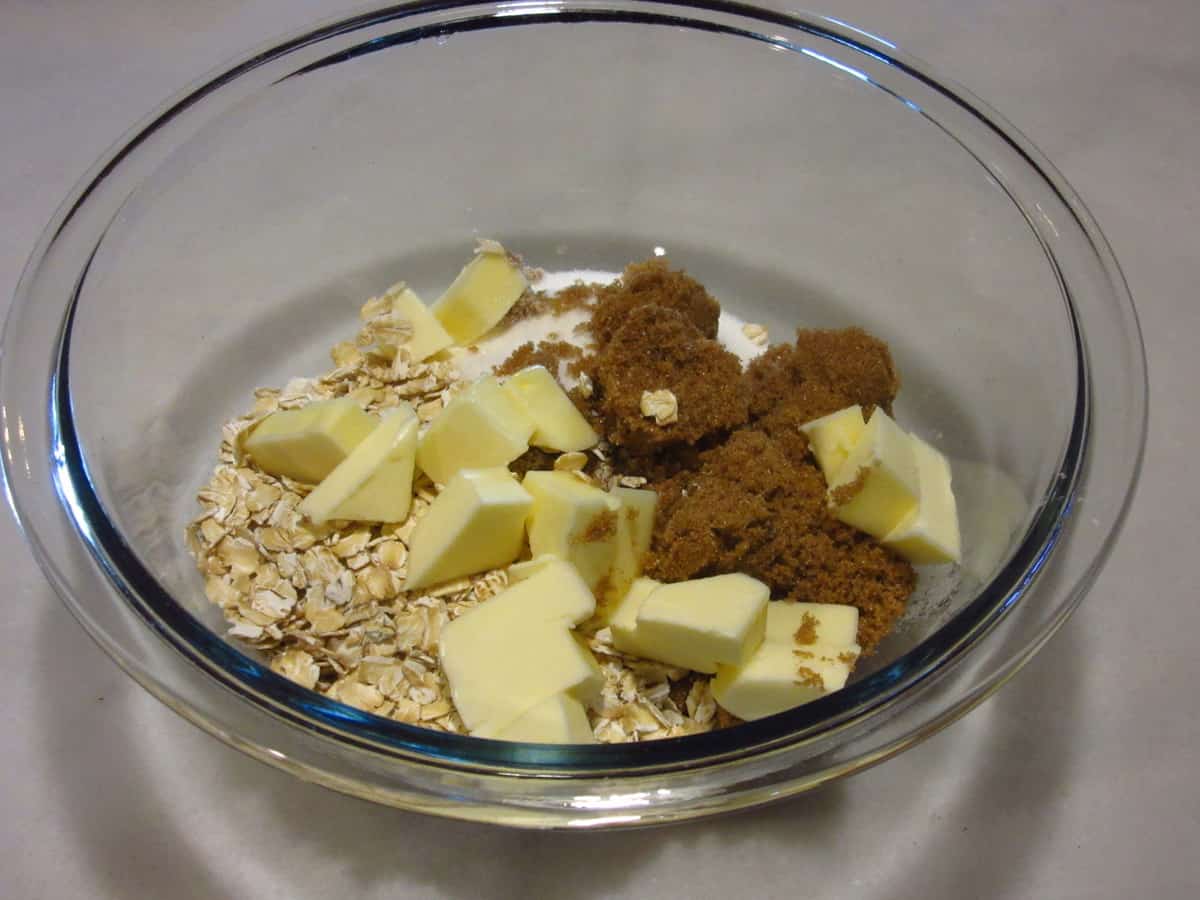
{"x": 806, "y": 171}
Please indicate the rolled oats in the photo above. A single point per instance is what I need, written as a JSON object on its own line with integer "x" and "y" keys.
{"x": 573, "y": 461}
{"x": 661, "y": 406}
{"x": 757, "y": 334}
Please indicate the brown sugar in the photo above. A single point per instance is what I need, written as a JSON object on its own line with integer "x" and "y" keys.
{"x": 574, "y": 296}
{"x": 750, "y": 508}
{"x": 726, "y": 719}
{"x": 545, "y": 353}
{"x": 601, "y": 527}
{"x": 824, "y": 371}
{"x": 844, "y": 493}
{"x": 782, "y": 425}
{"x": 806, "y": 677}
{"x": 658, "y": 349}
{"x": 533, "y": 459}
{"x": 807, "y": 632}
{"x": 533, "y": 304}
{"x": 652, "y": 282}
{"x": 529, "y": 305}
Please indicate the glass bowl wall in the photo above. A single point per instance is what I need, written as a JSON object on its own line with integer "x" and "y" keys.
{"x": 805, "y": 171}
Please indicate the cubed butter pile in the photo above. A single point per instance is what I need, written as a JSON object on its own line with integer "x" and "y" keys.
{"x": 604, "y": 534}
{"x": 635, "y": 528}
{"x": 422, "y": 335}
{"x": 307, "y": 444}
{"x": 516, "y": 669}
{"x": 482, "y": 426}
{"x": 476, "y": 523}
{"x": 698, "y": 624}
{"x": 767, "y": 656}
{"x": 808, "y": 650}
{"x": 695, "y": 624}
{"x": 561, "y": 719}
{"x": 832, "y": 437}
{"x": 557, "y": 424}
{"x": 888, "y": 483}
{"x": 374, "y": 482}
{"x": 491, "y": 424}
{"x": 574, "y": 521}
{"x": 483, "y": 292}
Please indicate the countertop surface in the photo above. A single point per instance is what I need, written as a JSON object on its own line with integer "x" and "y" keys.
{"x": 1080, "y": 779}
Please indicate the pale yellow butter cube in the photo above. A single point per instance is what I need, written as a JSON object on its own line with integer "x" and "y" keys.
{"x": 622, "y": 616}
{"x": 527, "y": 568}
{"x": 877, "y": 487}
{"x": 306, "y": 444}
{"x": 832, "y": 437}
{"x": 635, "y": 525}
{"x": 561, "y": 719}
{"x": 476, "y": 523}
{"x": 428, "y": 336}
{"x": 823, "y": 624}
{"x": 558, "y": 425}
{"x": 808, "y": 650}
{"x": 515, "y": 650}
{"x": 573, "y": 521}
{"x": 373, "y": 483}
{"x": 499, "y": 671}
{"x": 704, "y": 622}
{"x": 483, "y": 292}
{"x": 930, "y": 534}
{"x": 555, "y": 593}
{"x": 779, "y": 677}
{"x": 482, "y": 426}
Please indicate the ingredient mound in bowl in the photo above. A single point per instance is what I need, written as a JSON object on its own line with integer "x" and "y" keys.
{"x": 573, "y": 515}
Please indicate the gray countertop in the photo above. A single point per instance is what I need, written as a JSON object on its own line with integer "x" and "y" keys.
{"x": 1078, "y": 780}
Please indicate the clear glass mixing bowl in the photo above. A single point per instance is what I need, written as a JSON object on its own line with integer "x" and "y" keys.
{"x": 806, "y": 171}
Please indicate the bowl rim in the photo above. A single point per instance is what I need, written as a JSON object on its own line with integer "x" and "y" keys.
{"x": 314, "y": 713}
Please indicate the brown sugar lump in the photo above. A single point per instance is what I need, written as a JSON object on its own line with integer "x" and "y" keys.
{"x": 550, "y": 354}
{"x": 661, "y": 382}
{"x": 648, "y": 283}
{"x": 750, "y": 508}
{"x": 721, "y": 517}
{"x": 822, "y": 372}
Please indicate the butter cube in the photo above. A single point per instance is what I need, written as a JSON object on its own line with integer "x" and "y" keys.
{"x": 558, "y": 425}
{"x": 832, "y": 437}
{"x": 476, "y": 523}
{"x": 498, "y": 672}
{"x": 704, "y": 622}
{"x": 373, "y": 483}
{"x": 635, "y": 525}
{"x": 930, "y": 534}
{"x": 878, "y": 486}
{"x": 573, "y": 521}
{"x": 555, "y": 594}
{"x": 519, "y": 571}
{"x": 622, "y": 616}
{"x": 824, "y": 624}
{"x": 483, "y": 292}
{"x": 808, "y": 650}
{"x": 428, "y": 336}
{"x": 559, "y": 720}
{"x": 779, "y": 677}
{"x": 306, "y": 444}
{"x": 481, "y": 427}
{"x": 515, "y": 650}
